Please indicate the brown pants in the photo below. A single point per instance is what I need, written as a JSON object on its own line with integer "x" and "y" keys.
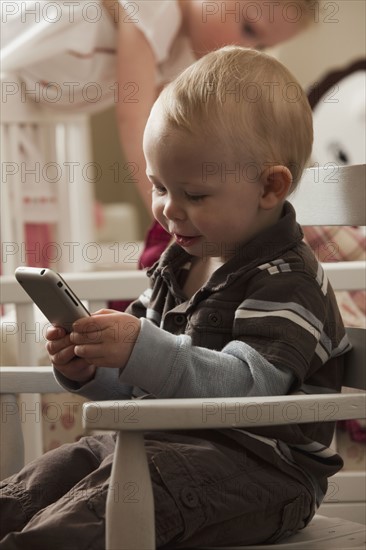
{"x": 208, "y": 490}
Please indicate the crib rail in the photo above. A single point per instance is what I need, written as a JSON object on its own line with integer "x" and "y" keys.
{"x": 22, "y": 333}
{"x": 96, "y": 288}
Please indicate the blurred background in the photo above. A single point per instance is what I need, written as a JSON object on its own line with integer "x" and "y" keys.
{"x": 335, "y": 39}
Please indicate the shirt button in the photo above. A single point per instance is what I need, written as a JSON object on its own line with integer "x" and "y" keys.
{"x": 189, "y": 497}
{"x": 215, "y": 319}
{"x": 179, "y": 319}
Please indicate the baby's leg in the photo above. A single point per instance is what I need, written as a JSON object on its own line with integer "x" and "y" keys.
{"x": 208, "y": 490}
{"x": 47, "y": 479}
{"x": 76, "y": 521}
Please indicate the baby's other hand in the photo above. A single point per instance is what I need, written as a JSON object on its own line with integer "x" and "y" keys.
{"x": 62, "y": 355}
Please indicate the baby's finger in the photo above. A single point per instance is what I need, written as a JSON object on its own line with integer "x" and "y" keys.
{"x": 99, "y": 320}
{"x": 54, "y": 346}
{"x": 63, "y": 356}
{"x": 91, "y": 336}
{"x": 85, "y": 324}
{"x": 91, "y": 353}
{"x": 54, "y": 333}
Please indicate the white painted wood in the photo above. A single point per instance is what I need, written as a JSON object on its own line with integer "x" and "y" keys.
{"x": 346, "y": 486}
{"x": 346, "y": 275}
{"x": 26, "y": 417}
{"x": 7, "y": 231}
{"x": 322, "y": 534}
{"x": 29, "y": 379}
{"x": 109, "y": 285}
{"x": 28, "y": 334}
{"x": 64, "y": 140}
{"x": 233, "y": 412}
{"x": 350, "y": 511}
{"x": 346, "y": 495}
{"x": 11, "y": 439}
{"x": 331, "y": 195}
{"x": 31, "y": 425}
{"x": 101, "y": 285}
{"x": 30, "y": 410}
{"x": 130, "y": 502}
{"x": 355, "y": 369}
{"x": 75, "y": 145}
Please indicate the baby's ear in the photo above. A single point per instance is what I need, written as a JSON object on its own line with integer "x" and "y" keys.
{"x": 276, "y": 182}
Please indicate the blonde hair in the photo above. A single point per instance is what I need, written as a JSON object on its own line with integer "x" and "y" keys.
{"x": 249, "y": 102}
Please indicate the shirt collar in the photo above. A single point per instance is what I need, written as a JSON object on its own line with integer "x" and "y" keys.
{"x": 265, "y": 247}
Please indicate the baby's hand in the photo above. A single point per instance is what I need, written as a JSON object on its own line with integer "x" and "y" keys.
{"x": 62, "y": 355}
{"x": 106, "y": 339}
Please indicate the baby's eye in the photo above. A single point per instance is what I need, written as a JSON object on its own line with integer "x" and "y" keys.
{"x": 195, "y": 198}
{"x": 158, "y": 190}
{"x": 248, "y": 29}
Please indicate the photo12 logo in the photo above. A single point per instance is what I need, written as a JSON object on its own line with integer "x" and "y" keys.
{"x": 69, "y": 10}
{"x": 270, "y": 11}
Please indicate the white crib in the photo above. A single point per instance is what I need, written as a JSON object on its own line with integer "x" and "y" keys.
{"x": 47, "y": 178}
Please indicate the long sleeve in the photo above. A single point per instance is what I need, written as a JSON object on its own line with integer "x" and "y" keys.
{"x": 104, "y": 386}
{"x": 168, "y": 365}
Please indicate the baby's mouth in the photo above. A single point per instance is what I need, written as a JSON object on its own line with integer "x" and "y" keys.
{"x": 186, "y": 240}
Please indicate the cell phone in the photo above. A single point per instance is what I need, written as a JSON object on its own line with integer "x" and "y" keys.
{"x": 52, "y": 295}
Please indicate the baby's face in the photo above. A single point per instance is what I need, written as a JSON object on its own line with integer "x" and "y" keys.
{"x": 259, "y": 24}
{"x": 209, "y": 203}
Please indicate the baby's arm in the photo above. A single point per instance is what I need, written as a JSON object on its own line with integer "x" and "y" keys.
{"x": 169, "y": 365}
{"x": 136, "y": 74}
{"x": 166, "y": 364}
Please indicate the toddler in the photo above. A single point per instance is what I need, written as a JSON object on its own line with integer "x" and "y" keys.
{"x": 238, "y": 306}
